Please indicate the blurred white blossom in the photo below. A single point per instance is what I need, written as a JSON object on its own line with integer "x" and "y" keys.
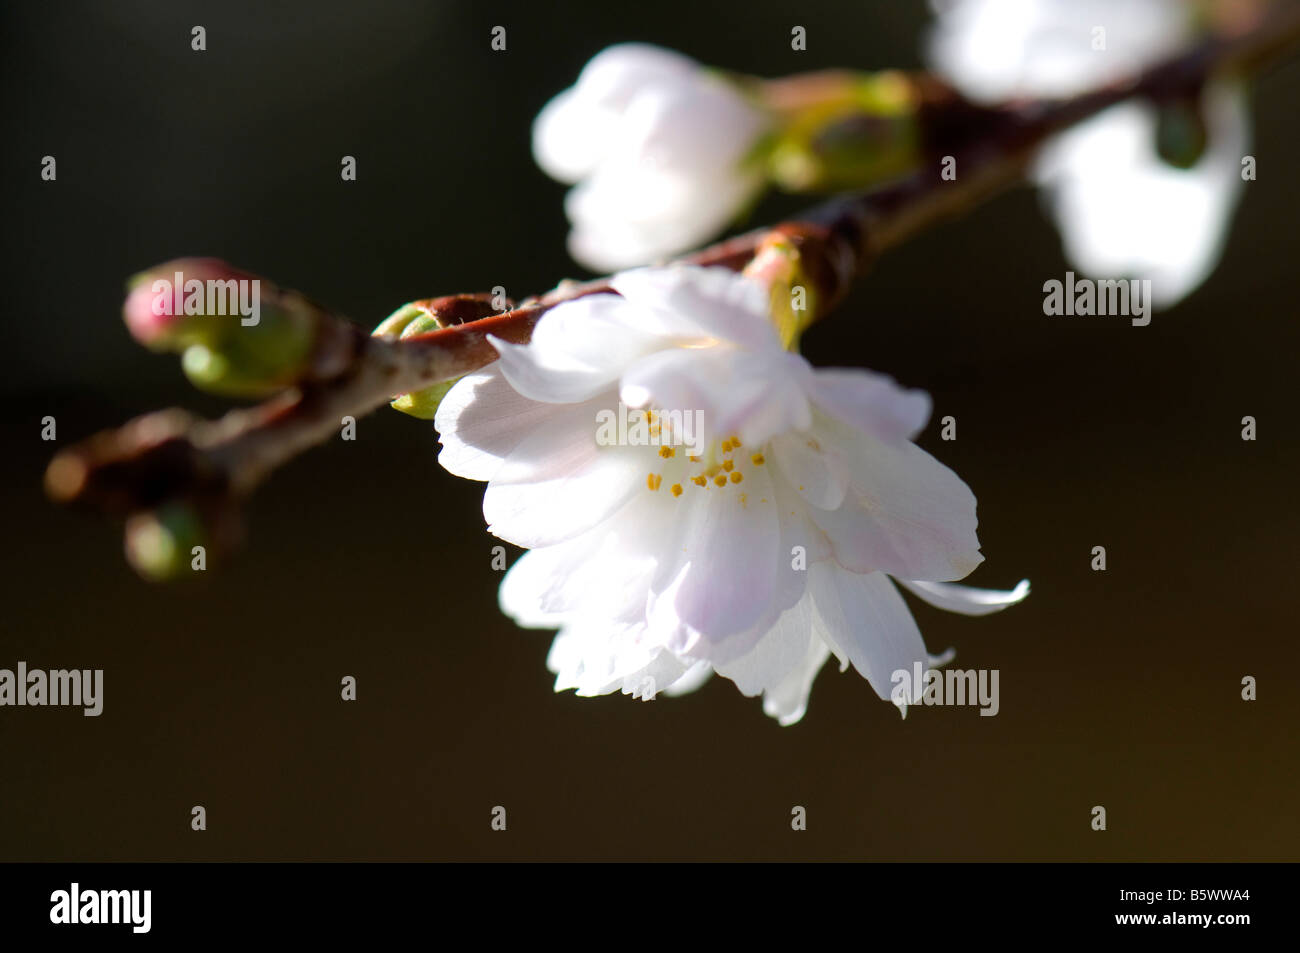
{"x": 657, "y": 147}
{"x": 758, "y": 558}
{"x": 1122, "y": 211}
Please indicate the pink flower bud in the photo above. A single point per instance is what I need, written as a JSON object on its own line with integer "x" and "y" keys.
{"x": 155, "y": 310}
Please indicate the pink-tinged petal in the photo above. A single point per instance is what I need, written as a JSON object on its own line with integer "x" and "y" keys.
{"x": 798, "y": 532}
{"x": 670, "y": 379}
{"x": 818, "y": 477}
{"x": 966, "y": 599}
{"x": 797, "y": 527}
{"x": 905, "y": 514}
{"x": 871, "y": 403}
{"x": 604, "y": 572}
{"x": 780, "y": 406}
{"x": 531, "y": 373}
{"x": 776, "y": 653}
{"x": 738, "y": 392}
{"x": 784, "y": 664}
{"x": 481, "y": 420}
{"x": 712, "y": 302}
{"x": 555, "y": 440}
{"x": 868, "y": 619}
{"x": 559, "y": 483}
{"x": 600, "y": 332}
{"x": 728, "y": 562}
{"x": 790, "y": 580}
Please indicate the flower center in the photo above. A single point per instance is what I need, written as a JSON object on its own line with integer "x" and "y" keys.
{"x": 723, "y": 463}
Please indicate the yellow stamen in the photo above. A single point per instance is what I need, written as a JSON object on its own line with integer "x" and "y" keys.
{"x": 666, "y": 452}
{"x": 677, "y": 489}
{"x": 720, "y": 479}
{"x": 699, "y": 480}
{"x": 758, "y": 459}
{"x": 737, "y": 476}
{"x": 653, "y": 481}
{"x": 727, "y": 465}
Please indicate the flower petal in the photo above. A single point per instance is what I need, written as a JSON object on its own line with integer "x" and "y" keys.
{"x": 905, "y": 513}
{"x": 738, "y": 392}
{"x": 780, "y": 651}
{"x": 727, "y": 562}
{"x": 995, "y": 50}
{"x": 820, "y": 478}
{"x": 619, "y": 72}
{"x": 692, "y": 680}
{"x": 711, "y": 302}
{"x": 597, "y": 660}
{"x": 570, "y": 135}
{"x": 1124, "y": 213}
{"x": 480, "y": 422}
{"x": 965, "y": 599}
{"x": 868, "y": 619}
{"x": 598, "y": 332}
{"x": 559, "y": 483}
{"x": 788, "y": 701}
{"x": 871, "y": 403}
{"x": 603, "y": 573}
{"x": 528, "y": 373}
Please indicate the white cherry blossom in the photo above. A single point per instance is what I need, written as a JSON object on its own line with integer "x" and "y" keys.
{"x": 777, "y": 546}
{"x": 1121, "y": 210}
{"x": 657, "y": 147}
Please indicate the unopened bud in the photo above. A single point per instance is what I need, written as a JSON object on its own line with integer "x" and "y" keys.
{"x": 843, "y": 130}
{"x": 239, "y": 334}
{"x": 397, "y": 322}
{"x": 777, "y": 265}
{"x": 159, "y": 543}
{"x": 422, "y": 403}
{"x": 422, "y": 317}
{"x": 162, "y": 315}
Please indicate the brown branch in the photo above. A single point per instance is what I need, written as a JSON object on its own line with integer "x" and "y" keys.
{"x": 211, "y": 465}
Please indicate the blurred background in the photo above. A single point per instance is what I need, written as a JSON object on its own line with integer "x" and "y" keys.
{"x": 1119, "y": 688}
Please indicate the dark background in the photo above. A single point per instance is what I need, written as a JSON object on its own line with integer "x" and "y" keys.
{"x": 1119, "y": 688}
